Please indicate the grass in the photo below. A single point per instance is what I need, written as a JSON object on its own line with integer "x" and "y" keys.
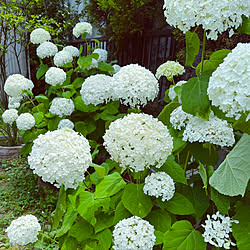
{"x": 21, "y": 193}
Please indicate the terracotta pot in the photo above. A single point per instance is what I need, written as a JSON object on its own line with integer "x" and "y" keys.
{"x": 9, "y": 151}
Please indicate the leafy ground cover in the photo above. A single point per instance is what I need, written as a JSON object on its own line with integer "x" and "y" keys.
{"x": 22, "y": 192}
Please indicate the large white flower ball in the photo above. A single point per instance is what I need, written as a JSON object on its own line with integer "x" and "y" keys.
{"x": 62, "y": 107}
{"x": 39, "y": 36}
{"x": 60, "y": 157}
{"x": 62, "y": 57}
{"x": 81, "y": 28}
{"x": 138, "y": 141}
{"x": 55, "y": 76}
{"x": 25, "y": 121}
{"x": 46, "y": 49}
{"x": 10, "y": 115}
{"x": 74, "y": 51}
{"x": 103, "y": 54}
{"x": 23, "y": 230}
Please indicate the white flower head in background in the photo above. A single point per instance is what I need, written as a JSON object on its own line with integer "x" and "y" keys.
{"x": 9, "y": 116}
{"x": 133, "y": 233}
{"x": 116, "y": 68}
{"x": 159, "y": 184}
{"x": 93, "y": 65}
{"x": 60, "y": 157}
{"x": 16, "y": 84}
{"x": 215, "y": 16}
{"x": 74, "y": 51}
{"x": 179, "y": 118}
{"x": 172, "y": 93}
{"x": 217, "y": 230}
{"x": 55, "y": 76}
{"x": 46, "y": 49}
{"x": 135, "y": 85}
{"x": 97, "y": 89}
{"x": 25, "y": 121}
{"x": 169, "y": 69}
{"x": 229, "y": 87}
{"x": 23, "y": 230}
{"x": 62, "y": 107}
{"x": 65, "y": 123}
{"x": 62, "y": 57}
{"x": 81, "y": 28}
{"x": 39, "y": 36}
{"x": 138, "y": 141}
{"x": 103, "y": 55}
{"x": 14, "y": 102}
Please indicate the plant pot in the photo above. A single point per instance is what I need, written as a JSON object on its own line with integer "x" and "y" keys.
{"x": 7, "y": 152}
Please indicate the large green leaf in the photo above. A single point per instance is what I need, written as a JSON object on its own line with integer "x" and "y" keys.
{"x": 245, "y": 27}
{"x": 104, "y": 239}
{"x": 110, "y": 185}
{"x": 194, "y": 96}
{"x": 81, "y": 230}
{"x": 182, "y": 236}
{"x": 164, "y": 116}
{"x": 41, "y": 71}
{"x": 192, "y": 47}
{"x": 103, "y": 221}
{"x": 121, "y": 213}
{"x": 232, "y": 176}
{"x": 136, "y": 201}
{"x": 80, "y": 105}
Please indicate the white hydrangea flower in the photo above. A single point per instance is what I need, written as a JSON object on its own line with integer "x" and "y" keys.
{"x": 74, "y": 51}
{"x": 159, "y": 184}
{"x": 133, "y": 233}
{"x": 25, "y": 121}
{"x": 39, "y": 36}
{"x": 217, "y": 230}
{"x": 169, "y": 69}
{"x": 55, "y": 76}
{"x": 214, "y": 130}
{"x": 172, "y": 94}
{"x": 215, "y": 16}
{"x": 138, "y": 141}
{"x": 229, "y": 87}
{"x": 14, "y": 102}
{"x": 62, "y": 57}
{"x": 23, "y": 230}
{"x": 81, "y": 28}
{"x": 103, "y": 55}
{"x": 116, "y": 68}
{"x": 46, "y": 49}
{"x": 97, "y": 89}
{"x": 93, "y": 65}
{"x": 60, "y": 157}
{"x": 10, "y": 115}
{"x": 65, "y": 123}
{"x": 62, "y": 106}
{"x": 135, "y": 85}
{"x": 16, "y": 84}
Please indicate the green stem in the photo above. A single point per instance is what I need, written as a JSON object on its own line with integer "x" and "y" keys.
{"x": 46, "y": 236}
{"x": 203, "y": 50}
{"x": 186, "y": 162}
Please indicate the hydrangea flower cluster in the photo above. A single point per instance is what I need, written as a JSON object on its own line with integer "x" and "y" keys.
{"x": 62, "y": 106}
{"x": 62, "y": 57}
{"x": 138, "y": 141}
{"x": 74, "y": 51}
{"x": 9, "y": 116}
{"x": 214, "y": 130}
{"x": 81, "y": 28}
{"x": 159, "y": 184}
{"x": 39, "y": 35}
{"x": 135, "y": 85}
{"x": 169, "y": 69}
{"x": 172, "y": 94}
{"x": 116, "y": 68}
{"x": 55, "y": 76}
{"x": 65, "y": 123}
{"x": 93, "y": 65}
{"x": 215, "y": 16}
{"x": 217, "y": 230}
{"x": 133, "y": 233}
{"x": 25, "y": 121}
{"x": 228, "y": 87}
{"x": 16, "y": 84}
{"x": 60, "y": 157}
{"x": 23, "y": 230}
{"x": 14, "y": 102}
{"x": 97, "y": 89}
{"x": 103, "y": 55}
{"x": 46, "y": 49}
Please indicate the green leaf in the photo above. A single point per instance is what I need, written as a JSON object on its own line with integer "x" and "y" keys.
{"x": 84, "y": 61}
{"x": 182, "y": 236}
{"x": 38, "y": 117}
{"x": 99, "y": 170}
{"x": 103, "y": 221}
{"x": 110, "y": 185}
{"x": 241, "y": 231}
{"x": 222, "y": 202}
{"x": 53, "y": 123}
{"x": 68, "y": 94}
{"x": 245, "y": 26}
{"x": 41, "y": 71}
{"x": 232, "y": 176}
{"x": 134, "y": 199}
{"x": 192, "y": 47}
{"x": 194, "y": 96}
{"x": 77, "y": 83}
{"x": 179, "y": 204}
{"x": 81, "y": 127}
{"x": 160, "y": 219}
{"x": 105, "y": 67}
{"x": 32, "y": 135}
{"x": 172, "y": 168}
{"x": 69, "y": 243}
{"x": 164, "y": 116}
{"x": 104, "y": 239}
{"x": 242, "y": 125}
{"x": 26, "y": 149}
{"x": 42, "y": 98}
{"x": 121, "y": 213}
{"x": 81, "y": 230}
{"x": 79, "y": 104}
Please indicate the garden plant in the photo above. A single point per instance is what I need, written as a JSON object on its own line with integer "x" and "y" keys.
{"x": 126, "y": 179}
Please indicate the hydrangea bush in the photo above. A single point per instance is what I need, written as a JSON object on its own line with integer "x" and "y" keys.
{"x": 129, "y": 180}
